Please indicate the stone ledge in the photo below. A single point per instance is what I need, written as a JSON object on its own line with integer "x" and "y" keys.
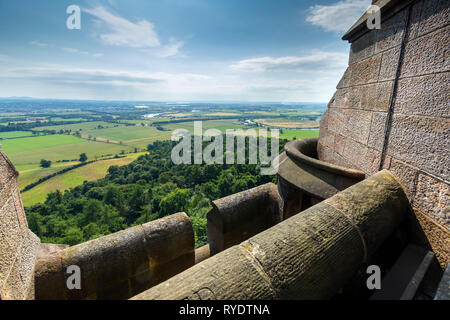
{"x": 119, "y": 265}
{"x": 309, "y": 256}
{"x": 388, "y": 9}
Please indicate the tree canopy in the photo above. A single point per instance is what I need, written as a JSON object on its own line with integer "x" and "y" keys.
{"x": 149, "y": 188}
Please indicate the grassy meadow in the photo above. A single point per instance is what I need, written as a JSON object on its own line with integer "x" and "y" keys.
{"x": 101, "y": 139}
{"x": 15, "y": 134}
{"x": 73, "y": 178}
{"x": 30, "y": 151}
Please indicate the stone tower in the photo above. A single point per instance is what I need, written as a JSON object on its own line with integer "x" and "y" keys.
{"x": 18, "y": 245}
{"x": 391, "y": 108}
{"x": 334, "y": 208}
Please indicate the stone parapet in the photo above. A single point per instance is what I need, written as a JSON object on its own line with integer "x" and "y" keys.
{"x": 240, "y": 216}
{"x": 304, "y": 180}
{"x": 308, "y": 256}
{"x": 120, "y": 265}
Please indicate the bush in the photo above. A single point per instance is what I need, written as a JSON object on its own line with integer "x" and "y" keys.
{"x": 83, "y": 157}
{"x": 46, "y": 163}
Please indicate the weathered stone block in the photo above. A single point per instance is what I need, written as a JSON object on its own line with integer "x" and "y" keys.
{"x": 422, "y": 142}
{"x": 424, "y": 95}
{"x": 381, "y": 188}
{"x": 434, "y": 14}
{"x": 357, "y": 125}
{"x": 362, "y": 48}
{"x": 10, "y": 238}
{"x": 438, "y": 236}
{"x": 309, "y": 256}
{"x": 7, "y": 190}
{"x": 376, "y": 97}
{"x": 377, "y": 131}
{"x": 232, "y": 274}
{"x": 339, "y": 160}
{"x": 21, "y": 216}
{"x": 49, "y": 274}
{"x": 341, "y": 99}
{"x": 339, "y": 144}
{"x": 427, "y": 54}
{"x": 170, "y": 246}
{"x": 361, "y": 157}
{"x": 202, "y": 253}
{"x": 7, "y": 170}
{"x": 433, "y": 198}
{"x": 122, "y": 264}
{"x": 369, "y": 161}
{"x": 21, "y": 278}
{"x": 345, "y": 80}
{"x": 350, "y": 123}
{"x": 406, "y": 174}
{"x": 353, "y": 153}
{"x": 236, "y": 218}
{"x": 366, "y": 71}
{"x": 363, "y": 72}
{"x": 325, "y": 234}
{"x": 389, "y": 63}
{"x": 326, "y": 138}
{"x": 371, "y": 97}
{"x": 325, "y": 153}
{"x": 391, "y": 32}
{"x": 416, "y": 12}
{"x": 336, "y": 121}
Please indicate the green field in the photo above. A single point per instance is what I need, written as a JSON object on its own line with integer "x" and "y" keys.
{"x": 82, "y": 126}
{"x": 15, "y": 134}
{"x": 146, "y": 121}
{"x": 126, "y": 133}
{"x": 67, "y": 119}
{"x": 26, "y": 152}
{"x": 33, "y": 173}
{"x": 30, "y": 151}
{"x": 73, "y": 178}
{"x": 35, "y": 143}
{"x": 290, "y": 134}
{"x": 140, "y": 137}
{"x": 221, "y": 125}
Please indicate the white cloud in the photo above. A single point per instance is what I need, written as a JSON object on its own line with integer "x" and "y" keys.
{"x": 140, "y": 34}
{"x": 171, "y": 49}
{"x": 317, "y": 61}
{"x": 337, "y": 17}
{"x": 66, "y": 49}
{"x": 62, "y": 81}
{"x": 40, "y": 44}
{"x": 123, "y": 32}
{"x": 71, "y": 50}
{"x": 83, "y": 76}
{"x": 3, "y": 58}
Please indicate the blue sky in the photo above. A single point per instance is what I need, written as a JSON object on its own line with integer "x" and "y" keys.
{"x": 176, "y": 50}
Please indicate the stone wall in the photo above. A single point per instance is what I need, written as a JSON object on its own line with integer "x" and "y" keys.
{"x": 240, "y": 216}
{"x": 311, "y": 255}
{"x": 18, "y": 245}
{"x": 391, "y": 108}
{"x": 119, "y": 265}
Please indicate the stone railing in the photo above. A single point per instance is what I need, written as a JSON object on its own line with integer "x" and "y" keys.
{"x": 305, "y": 180}
{"x": 119, "y": 265}
{"x": 309, "y": 256}
{"x": 123, "y": 264}
{"x": 240, "y": 216}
